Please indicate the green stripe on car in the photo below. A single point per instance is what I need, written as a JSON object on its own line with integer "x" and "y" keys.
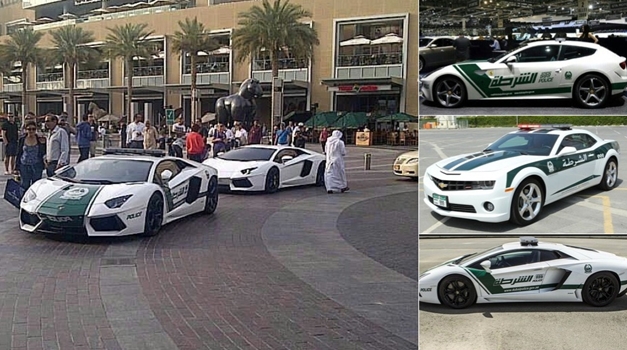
{"x": 487, "y": 159}
{"x": 70, "y": 200}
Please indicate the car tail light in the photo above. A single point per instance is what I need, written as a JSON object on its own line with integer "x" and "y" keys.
{"x": 623, "y": 65}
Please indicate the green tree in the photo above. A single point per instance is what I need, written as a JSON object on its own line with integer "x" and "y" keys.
{"x": 127, "y": 42}
{"x": 71, "y": 49}
{"x": 21, "y": 46}
{"x": 191, "y": 39}
{"x": 274, "y": 28}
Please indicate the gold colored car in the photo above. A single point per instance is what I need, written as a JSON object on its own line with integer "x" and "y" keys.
{"x": 407, "y": 164}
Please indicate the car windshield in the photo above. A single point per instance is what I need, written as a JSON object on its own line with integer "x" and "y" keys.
{"x": 424, "y": 42}
{"x": 247, "y": 154}
{"x": 535, "y": 144}
{"x": 469, "y": 257}
{"x": 107, "y": 171}
{"x": 495, "y": 59}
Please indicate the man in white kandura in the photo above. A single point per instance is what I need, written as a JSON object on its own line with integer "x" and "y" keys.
{"x": 335, "y": 174}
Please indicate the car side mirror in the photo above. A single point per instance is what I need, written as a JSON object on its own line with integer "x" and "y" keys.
{"x": 486, "y": 265}
{"x": 433, "y": 46}
{"x": 166, "y": 175}
{"x": 286, "y": 159}
{"x": 511, "y": 59}
{"x": 567, "y": 150}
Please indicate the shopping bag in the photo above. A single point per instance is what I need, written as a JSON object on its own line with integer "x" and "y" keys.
{"x": 13, "y": 193}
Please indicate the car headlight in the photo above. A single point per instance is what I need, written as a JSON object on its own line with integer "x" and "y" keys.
{"x": 248, "y": 171}
{"x": 480, "y": 185}
{"x": 412, "y": 161}
{"x": 29, "y": 196}
{"x": 117, "y": 201}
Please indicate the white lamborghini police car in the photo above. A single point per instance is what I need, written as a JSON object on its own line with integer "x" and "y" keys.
{"x": 514, "y": 177}
{"x": 585, "y": 72}
{"x": 526, "y": 271}
{"x": 124, "y": 192}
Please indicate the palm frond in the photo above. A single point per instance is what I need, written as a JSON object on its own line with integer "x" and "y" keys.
{"x": 192, "y": 37}
{"x": 70, "y": 46}
{"x": 128, "y": 41}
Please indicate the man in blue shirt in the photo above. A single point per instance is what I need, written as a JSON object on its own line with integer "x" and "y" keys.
{"x": 83, "y": 138}
{"x": 283, "y": 135}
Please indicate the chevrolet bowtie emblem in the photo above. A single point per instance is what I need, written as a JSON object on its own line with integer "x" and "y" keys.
{"x": 442, "y": 185}
{"x": 60, "y": 207}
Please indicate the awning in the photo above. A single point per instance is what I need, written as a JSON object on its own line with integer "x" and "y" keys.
{"x": 203, "y": 89}
{"x": 357, "y": 85}
{"x": 136, "y": 89}
{"x": 287, "y": 85}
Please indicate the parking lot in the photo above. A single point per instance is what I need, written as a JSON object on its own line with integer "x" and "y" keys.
{"x": 591, "y": 211}
{"x": 508, "y": 326}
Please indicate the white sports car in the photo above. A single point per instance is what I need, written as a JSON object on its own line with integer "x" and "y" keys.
{"x": 514, "y": 177}
{"x": 123, "y": 193}
{"x": 588, "y": 73}
{"x": 268, "y": 168}
{"x": 526, "y": 271}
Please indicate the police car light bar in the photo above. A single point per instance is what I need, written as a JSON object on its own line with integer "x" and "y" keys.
{"x": 528, "y": 241}
{"x": 134, "y": 151}
{"x": 544, "y": 126}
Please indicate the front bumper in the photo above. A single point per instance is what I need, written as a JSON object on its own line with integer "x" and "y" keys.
{"x": 122, "y": 223}
{"x": 247, "y": 183}
{"x": 410, "y": 170}
{"x": 469, "y": 204}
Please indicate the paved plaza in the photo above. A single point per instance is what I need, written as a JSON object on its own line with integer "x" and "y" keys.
{"x": 299, "y": 269}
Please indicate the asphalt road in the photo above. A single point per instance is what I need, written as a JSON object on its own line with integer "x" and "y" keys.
{"x": 591, "y": 211}
{"x": 538, "y": 326}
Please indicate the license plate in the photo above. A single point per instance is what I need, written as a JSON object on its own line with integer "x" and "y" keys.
{"x": 397, "y": 167}
{"x": 440, "y": 201}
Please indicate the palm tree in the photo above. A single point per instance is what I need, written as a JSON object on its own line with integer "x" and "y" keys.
{"x": 70, "y": 49}
{"x": 191, "y": 39}
{"x": 129, "y": 41}
{"x": 274, "y": 28}
{"x": 21, "y": 46}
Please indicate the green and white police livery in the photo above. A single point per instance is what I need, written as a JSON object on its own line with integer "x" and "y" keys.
{"x": 526, "y": 271}
{"x": 514, "y": 177}
{"x": 586, "y": 72}
{"x": 121, "y": 193}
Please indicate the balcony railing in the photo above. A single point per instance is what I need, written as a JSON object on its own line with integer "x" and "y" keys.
{"x": 47, "y": 77}
{"x": 148, "y": 71}
{"x": 209, "y": 67}
{"x": 94, "y": 74}
{"x": 369, "y": 59}
{"x": 284, "y": 63}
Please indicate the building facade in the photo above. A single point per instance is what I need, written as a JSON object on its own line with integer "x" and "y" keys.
{"x": 367, "y": 60}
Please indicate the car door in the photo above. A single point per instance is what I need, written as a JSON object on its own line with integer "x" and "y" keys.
{"x": 290, "y": 170}
{"x": 175, "y": 189}
{"x": 572, "y": 56}
{"x": 573, "y": 171}
{"x": 536, "y": 70}
{"x": 515, "y": 275}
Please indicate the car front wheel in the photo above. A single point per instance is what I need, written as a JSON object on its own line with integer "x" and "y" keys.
{"x": 421, "y": 64}
{"x": 457, "y": 292}
{"x": 610, "y": 175}
{"x": 272, "y": 180}
{"x": 600, "y": 289}
{"x": 450, "y": 92}
{"x": 527, "y": 202}
{"x": 592, "y": 91}
{"x": 154, "y": 215}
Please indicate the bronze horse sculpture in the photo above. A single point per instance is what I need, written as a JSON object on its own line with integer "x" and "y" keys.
{"x": 96, "y": 111}
{"x": 241, "y": 106}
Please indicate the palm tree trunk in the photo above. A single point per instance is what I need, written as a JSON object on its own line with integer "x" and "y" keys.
{"x": 274, "y": 61}
{"x": 71, "y": 102}
{"x": 24, "y": 97}
{"x": 194, "y": 91}
{"x": 129, "y": 89}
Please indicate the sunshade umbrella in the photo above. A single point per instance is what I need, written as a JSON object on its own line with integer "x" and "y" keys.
{"x": 391, "y": 38}
{"x": 109, "y": 118}
{"x": 356, "y": 41}
{"x": 398, "y": 117}
{"x": 320, "y": 120}
{"x": 208, "y": 117}
{"x": 221, "y": 51}
{"x": 100, "y": 11}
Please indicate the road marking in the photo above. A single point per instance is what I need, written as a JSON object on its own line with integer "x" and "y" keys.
{"x": 606, "y": 208}
{"x": 436, "y": 225}
{"x": 438, "y": 150}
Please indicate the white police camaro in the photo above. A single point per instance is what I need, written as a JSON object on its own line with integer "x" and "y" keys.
{"x": 526, "y": 271}
{"x": 514, "y": 177}
{"x": 587, "y": 73}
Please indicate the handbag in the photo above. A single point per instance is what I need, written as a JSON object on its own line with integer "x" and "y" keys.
{"x": 14, "y": 192}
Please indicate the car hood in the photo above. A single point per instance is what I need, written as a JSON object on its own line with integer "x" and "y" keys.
{"x": 229, "y": 168}
{"x": 486, "y": 161}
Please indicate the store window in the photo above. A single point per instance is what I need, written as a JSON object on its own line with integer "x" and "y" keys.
{"x": 153, "y": 67}
{"x": 370, "y": 43}
{"x": 376, "y": 104}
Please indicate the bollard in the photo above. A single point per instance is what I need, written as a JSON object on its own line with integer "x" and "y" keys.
{"x": 367, "y": 161}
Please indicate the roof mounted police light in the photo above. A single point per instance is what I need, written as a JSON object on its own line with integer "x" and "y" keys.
{"x": 528, "y": 241}
{"x": 545, "y": 126}
{"x": 134, "y": 152}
